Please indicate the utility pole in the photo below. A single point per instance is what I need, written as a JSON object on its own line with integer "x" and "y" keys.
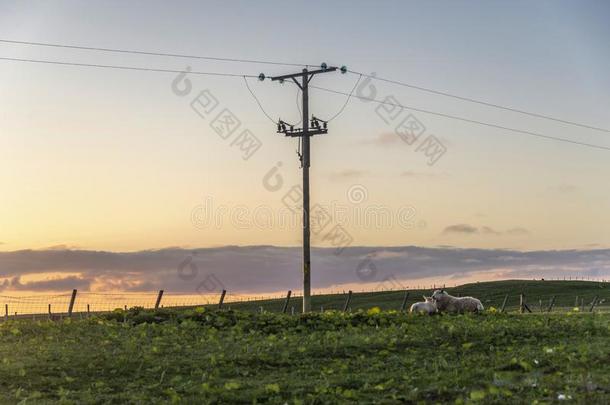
{"x": 304, "y": 134}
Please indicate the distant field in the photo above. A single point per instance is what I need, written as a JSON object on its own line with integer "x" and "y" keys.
{"x": 490, "y": 293}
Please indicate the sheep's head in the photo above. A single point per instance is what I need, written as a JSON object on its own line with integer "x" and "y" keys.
{"x": 439, "y": 295}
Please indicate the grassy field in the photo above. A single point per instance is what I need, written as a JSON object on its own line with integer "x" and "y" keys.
{"x": 206, "y": 356}
{"x": 490, "y": 293}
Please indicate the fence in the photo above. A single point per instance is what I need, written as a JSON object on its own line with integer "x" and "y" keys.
{"x": 82, "y": 303}
{"x": 85, "y": 303}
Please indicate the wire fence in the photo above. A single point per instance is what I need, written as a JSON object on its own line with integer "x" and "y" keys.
{"x": 85, "y": 303}
{"x": 92, "y": 302}
{"x": 60, "y": 305}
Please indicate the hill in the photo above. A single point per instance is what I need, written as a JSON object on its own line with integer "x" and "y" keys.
{"x": 490, "y": 293}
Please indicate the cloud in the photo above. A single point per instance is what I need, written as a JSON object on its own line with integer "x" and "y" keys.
{"x": 518, "y": 231}
{"x": 266, "y": 269}
{"x": 461, "y": 228}
{"x": 349, "y": 174}
{"x": 421, "y": 175}
{"x": 490, "y": 231}
{"x": 565, "y": 188}
{"x": 593, "y": 245}
{"x": 486, "y": 230}
{"x": 384, "y": 139}
{"x": 55, "y": 284}
{"x": 62, "y": 247}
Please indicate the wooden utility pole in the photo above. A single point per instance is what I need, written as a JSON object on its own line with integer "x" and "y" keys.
{"x": 304, "y": 134}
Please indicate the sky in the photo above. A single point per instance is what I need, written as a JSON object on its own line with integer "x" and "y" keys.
{"x": 101, "y": 160}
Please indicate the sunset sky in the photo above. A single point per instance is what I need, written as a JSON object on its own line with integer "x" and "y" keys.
{"x": 108, "y": 160}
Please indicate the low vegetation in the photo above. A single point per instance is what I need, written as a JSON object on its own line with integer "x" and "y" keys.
{"x": 207, "y": 356}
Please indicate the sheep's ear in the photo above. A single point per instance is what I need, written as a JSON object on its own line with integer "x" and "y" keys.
{"x": 425, "y": 298}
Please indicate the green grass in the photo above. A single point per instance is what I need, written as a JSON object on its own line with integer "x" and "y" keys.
{"x": 205, "y": 356}
{"x": 201, "y": 355}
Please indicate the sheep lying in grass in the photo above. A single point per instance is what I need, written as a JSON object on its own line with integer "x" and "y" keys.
{"x": 448, "y": 303}
{"x": 427, "y": 307}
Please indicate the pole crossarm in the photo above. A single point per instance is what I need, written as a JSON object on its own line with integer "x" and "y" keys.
{"x": 299, "y": 133}
{"x": 301, "y": 74}
{"x": 290, "y": 130}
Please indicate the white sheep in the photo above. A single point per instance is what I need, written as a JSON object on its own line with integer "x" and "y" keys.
{"x": 448, "y": 303}
{"x": 427, "y": 307}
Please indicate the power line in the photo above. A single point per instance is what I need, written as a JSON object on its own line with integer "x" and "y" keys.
{"x": 145, "y": 69}
{"x": 258, "y": 101}
{"x": 136, "y": 52}
{"x": 342, "y": 107}
{"x": 455, "y": 117}
{"x": 299, "y": 107}
{"x": 346, "y": 101}
{"x": 260, "y": 106}
{"x": 265, "y": 62}
{"x": 485, "y": 103}
{"x": 318, "y": 88}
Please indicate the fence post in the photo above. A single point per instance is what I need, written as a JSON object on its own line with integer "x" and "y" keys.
{"x": 551, "y": 304}
{"x": 286, "y": 302}
{"x": 504, "y": 303}
{"x": 347, "y": 301}
{"x": 50, "y": 315}
{"x": 403, "y": 306}
{"x": 521, "y": 308}
{"x": 593, "y": 304}
{"x": 540, "y": 304}
{"x": 222, "y": 298}
{"x": 71, "y": 307}
{"x": 6, "y": 312}
{"x": 523, "y": 305}
{"x": 576, "y": 302}
{"x": 159, "y": 299}
{"x": 88, "y": 310}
